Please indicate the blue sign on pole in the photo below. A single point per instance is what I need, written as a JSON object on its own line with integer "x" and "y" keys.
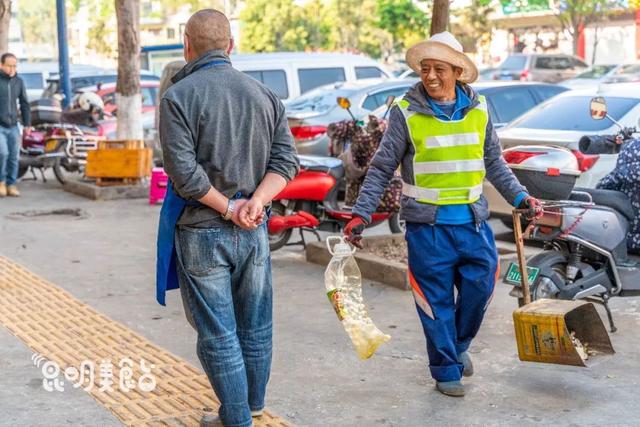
{"x": 63, "y": 53}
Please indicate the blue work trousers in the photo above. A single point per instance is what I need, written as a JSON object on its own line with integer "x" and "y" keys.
{"x": 444, "y": 258}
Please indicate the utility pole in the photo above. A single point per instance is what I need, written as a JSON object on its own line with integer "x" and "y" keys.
{"x": 63, "y": 53}
{"x": 439, "y": 16}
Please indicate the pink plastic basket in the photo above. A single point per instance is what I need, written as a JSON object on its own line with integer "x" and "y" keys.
{"x": 158, "y": 187}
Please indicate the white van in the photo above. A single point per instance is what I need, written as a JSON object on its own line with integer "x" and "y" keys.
{"x": 290, "y": 74}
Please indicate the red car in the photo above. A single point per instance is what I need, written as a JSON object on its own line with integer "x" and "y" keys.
{"x": 148, "y": 89}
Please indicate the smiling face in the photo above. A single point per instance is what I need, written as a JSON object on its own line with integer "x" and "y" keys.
{"x": 439, "y": 79}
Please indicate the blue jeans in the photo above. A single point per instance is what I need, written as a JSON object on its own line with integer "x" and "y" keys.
{"x": 9, "y": 154}
{"x": 442, "y": 257}
{"x": 226, "y": 275}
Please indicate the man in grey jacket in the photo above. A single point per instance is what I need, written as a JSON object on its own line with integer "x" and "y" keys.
{"x": 441, "y": 136}
{"x": 228, "y": 151}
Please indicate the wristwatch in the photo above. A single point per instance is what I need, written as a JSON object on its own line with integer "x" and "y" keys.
{"x": 230, "y": 208}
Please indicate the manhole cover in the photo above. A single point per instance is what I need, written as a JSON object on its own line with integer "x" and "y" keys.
{"x": 67, "y": 213}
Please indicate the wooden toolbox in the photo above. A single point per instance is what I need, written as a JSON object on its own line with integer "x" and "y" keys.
{"x": 119, "y": 162}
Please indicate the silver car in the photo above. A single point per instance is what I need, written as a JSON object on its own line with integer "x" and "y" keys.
{"x": 539, "y": 67}
{"x": 562, "y": 121}
{"x": 310, "y": 114}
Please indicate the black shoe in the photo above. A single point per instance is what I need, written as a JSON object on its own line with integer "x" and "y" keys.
{"x": 467, "y": 364}
{"x": 451, "y": 388}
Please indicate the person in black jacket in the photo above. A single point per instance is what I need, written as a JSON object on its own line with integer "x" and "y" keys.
{"x": 12, "y": 90}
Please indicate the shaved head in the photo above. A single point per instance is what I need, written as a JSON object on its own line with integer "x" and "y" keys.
{"x": 208, "y": 29}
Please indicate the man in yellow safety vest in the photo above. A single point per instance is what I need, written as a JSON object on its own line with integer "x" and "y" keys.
{"x": 441, "y": 136}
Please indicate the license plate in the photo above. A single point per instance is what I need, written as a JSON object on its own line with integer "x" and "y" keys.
{"x": 51, "y": 146}
{"x": 513, "y": 276}
{"x": 506, "y": 77}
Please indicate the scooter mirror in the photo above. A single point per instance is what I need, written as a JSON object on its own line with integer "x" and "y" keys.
{"x": 344, "y": 102}
{"x": 598, "y": 108}
{"x": 389, "y": 100}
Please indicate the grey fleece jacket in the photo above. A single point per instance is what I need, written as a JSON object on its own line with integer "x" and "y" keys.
{"x": 396, "y": 149}
{"x": 221, "y": 128}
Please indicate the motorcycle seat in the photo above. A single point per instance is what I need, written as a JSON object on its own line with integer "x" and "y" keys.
{"x": 610, "y": 198}
{"x": 329, "y": 165}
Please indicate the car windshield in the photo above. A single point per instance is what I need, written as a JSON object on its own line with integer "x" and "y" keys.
{"x": 627, "y": 69}
{"x": 516, "y": 62}
{"x": 571, "y": 113}
{"x": 320, "y": 100}
{"x": 595, "y": 72}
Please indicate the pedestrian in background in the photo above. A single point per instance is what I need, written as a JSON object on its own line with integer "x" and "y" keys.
{"x": 12, "y": 91}
{"x": 228, "y": 151}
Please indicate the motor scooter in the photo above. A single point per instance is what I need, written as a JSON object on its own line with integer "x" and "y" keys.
{"x": 583, "y": 231}
{"x": 59, "y": 140}
{"x": 310, "y": 203}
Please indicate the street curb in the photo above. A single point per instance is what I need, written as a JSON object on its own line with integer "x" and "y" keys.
{"x": 115, "y": 192}
{"x": 371, "y": 266}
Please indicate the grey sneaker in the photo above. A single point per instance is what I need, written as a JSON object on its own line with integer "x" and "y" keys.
{"x": 257, "y": 413}
{"x": 451, "y": 388}
{"x": 209, "y": 419}
{"x": 467, "y": 364}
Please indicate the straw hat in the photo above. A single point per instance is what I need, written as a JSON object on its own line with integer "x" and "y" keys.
{"x": 443, "y": 47}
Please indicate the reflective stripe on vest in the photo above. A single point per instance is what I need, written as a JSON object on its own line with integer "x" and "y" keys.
{"x": 448, "y": 164}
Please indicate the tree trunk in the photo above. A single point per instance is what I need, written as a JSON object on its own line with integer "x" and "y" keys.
{"x": 596, "y": 39}
{"x": 576, "y": 39}
{"x": 128, "y": 98}
{"x": 439, "y": 16}
{"x": 5, "y": 19}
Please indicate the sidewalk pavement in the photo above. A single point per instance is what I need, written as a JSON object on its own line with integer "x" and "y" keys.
{"x": 107, "y": 260}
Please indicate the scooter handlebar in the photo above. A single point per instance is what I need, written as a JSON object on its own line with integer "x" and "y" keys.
{"x": 598, "y": 144}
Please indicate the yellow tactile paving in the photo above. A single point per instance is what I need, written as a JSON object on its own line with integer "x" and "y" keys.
{"x": 66, "y": 331}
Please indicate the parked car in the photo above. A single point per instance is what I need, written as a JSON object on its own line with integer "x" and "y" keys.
{"x": 36, "y": 74}
{"x": 591, "y": 77}
{"x": 292, "y": 74}
{"x": 148, "y": 90}
{"x": 628, "y": 73}
{"x": 310, "y": 114}
{"x": 551, "y": 68}
{"x": 87, "y": 79}
{"x": 109, "y": 127}
{"x": 509, "y": 100}
{"x": 561, "y": 121}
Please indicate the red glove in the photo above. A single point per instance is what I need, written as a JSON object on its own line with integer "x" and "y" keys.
{"x": 353, "y": 231}
{"x": 534, "y": 205}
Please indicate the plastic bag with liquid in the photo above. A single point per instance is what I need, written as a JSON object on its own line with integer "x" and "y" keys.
{"x": 343, "y": 283}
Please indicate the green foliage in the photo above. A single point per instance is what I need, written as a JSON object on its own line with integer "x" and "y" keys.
{"x": 576, "y": 14}
{"x": 474, "y": 26}
{"x": 406, "y": 23}
{"x": 103, "y": 27}
{"x": 38, "y": 21}
{"x": 375, "y": 27}
{"x": 272, "y": 25}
